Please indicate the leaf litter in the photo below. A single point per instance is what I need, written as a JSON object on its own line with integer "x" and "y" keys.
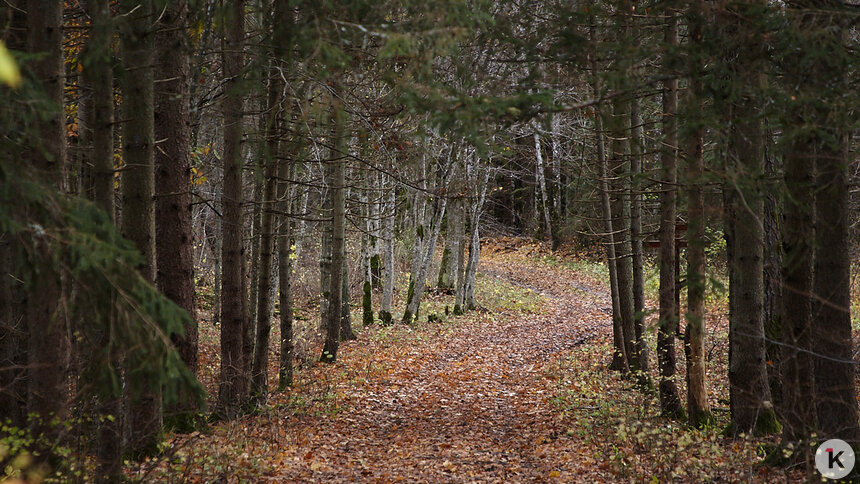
{"x": 518, "y": 392}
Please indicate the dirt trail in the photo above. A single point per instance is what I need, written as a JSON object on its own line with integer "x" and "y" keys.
{"x": 471, "y": 405}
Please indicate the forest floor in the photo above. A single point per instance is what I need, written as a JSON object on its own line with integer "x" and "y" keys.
{"x": 518, "y": 391}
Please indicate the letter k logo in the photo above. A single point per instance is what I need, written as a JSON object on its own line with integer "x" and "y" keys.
{"x": 834, "y": 459}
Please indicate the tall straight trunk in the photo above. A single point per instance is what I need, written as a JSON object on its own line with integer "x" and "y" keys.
{"x": 833, "y": 364}
{"x": 346, "y": 333}
{"x": 173, "y": 232}
{"x": 390, "y": 213}
{"x": 100, "y": 73}
{"x": 772, "y": 280}
{"x": 618, "y": 127}
{"x": 260, "y": 368}
{"x": 232, "y": 388}
{"x": 471, "y": 270}
{"x": 751, "y": 406}
{"x": 253, "y": 277}
{"x": 302, "y": 224}
{"x": 621, "y": 225}
{"x": 138, "y": 188}
{"x": 459, "y": 213}
{"x": 44, "y": 37}
{"x": 446, "y": 266}
{"x": 797, "y": 239}
{"x": 670, "y": 400}
{"x": 416, "y": 284}
{"x": 420, "y": 220}
{"x": 325, "y": 256}
{"x": 557, "y": 187}
{"x": 47, "y": 340}
{"x": 833, "y": 360}
{"x": 619, "y": 353}
{"x": 541, "y": 177}
{"x": 637, "y": 145}
{"x": 285, "y": 268}
{"x": 697, "y": 395}
{"x": 336, "y": 179}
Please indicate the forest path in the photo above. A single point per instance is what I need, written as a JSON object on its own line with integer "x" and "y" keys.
{"x": 471, "y": 404}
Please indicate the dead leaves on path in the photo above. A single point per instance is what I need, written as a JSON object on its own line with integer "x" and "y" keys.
{"x": 516, "y": 394}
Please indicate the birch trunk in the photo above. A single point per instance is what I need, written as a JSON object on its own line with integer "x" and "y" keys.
{"x": 471, "y": 270}
{"x": 541, "y": 177}
{"x": 416, "y": 285}
{"x": 389, "y": 269}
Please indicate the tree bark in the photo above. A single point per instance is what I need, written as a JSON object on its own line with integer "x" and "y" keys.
{"x": 285, "y": 295}
{"x": 390, "y": 212}
{"x": 174, "y": 235}
{"x": 47, "y": 334}
{"x": 619, "y": 353}
{"x": 670, "y": 400}
{"x": 101, "y": 78}
{"x": 417, "y": 282}
{"x": 751, "y": 406}
{"x": 138, "y": 188}
{"x": 637, "y": 146}
{"x": 98, "y": 69}
{"x": 833, "y": 361}
{"x": 541, "y": 177}
{"x": 471, "y": 270}
{"x": 260, "y": 369}
{"x": 232, "y": 388}
{"x": 697, "y": 396}
{"x": 336, "y": 180}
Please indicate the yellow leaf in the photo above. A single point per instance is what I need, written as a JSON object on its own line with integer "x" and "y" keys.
{"x": 554, "y": 474}
{"x": 9, "y": 72}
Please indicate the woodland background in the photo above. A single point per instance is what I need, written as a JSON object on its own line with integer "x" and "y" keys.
{"x": 200, "y": 200}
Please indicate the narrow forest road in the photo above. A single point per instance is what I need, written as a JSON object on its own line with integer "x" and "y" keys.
{"x": 520, "y": 393}
{"x": 472, "y": 405}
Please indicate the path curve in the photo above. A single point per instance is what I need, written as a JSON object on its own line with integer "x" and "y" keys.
{"x": 471, "y": 406}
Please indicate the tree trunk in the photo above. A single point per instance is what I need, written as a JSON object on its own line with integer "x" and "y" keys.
{"x": 138, "y": 188}
{"x": 101, "y": 78}
{"x": 751, "y": 406}
{"x": 619, "y": 353}
{"x": 336, "y": 180}
{"x": 416, "y": 284}
{"x": 471, "y": 271}
{"x": 325, "y": 256}
{"x": 670, "y": 400}
{"x": 620, "y": 208}
{"x": 389, "y": 269}
{"x": 232, "y": 388}
{"x": 833, "y": 361}
{"x": 772, "y": 282}
{"x": 346, "y": 333}
{"x": 697, "y": 396}
{"x": 98, "y": 68}
{"x": 541, "y": 177}
{"x": 47, "y": 334}
{"x": 797, "y": 239}
{"x": 637, "y": 145}
{"x": 173, "y": 232}
{"x": 285, "y": 295}
{"x": 833, "y": 364}
{"x": 260, "y": 369}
